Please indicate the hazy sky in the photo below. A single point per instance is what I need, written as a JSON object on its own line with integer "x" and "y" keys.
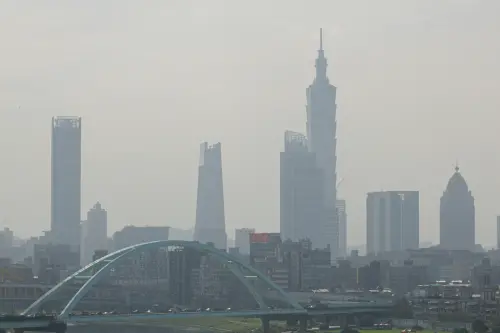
{"x": 417, "y": 90}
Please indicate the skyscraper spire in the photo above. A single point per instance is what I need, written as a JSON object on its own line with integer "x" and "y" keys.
{"x": 321, "y": 39}
{"x": 321, "y": 62}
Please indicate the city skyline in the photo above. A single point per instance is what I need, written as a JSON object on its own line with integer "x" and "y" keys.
{"x": 399, "y": 92}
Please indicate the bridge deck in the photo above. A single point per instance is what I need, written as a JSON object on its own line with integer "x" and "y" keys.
{"x": 250, "y": 313}
{"x": 33, "y": 322}
{"x": 5, "y": 325}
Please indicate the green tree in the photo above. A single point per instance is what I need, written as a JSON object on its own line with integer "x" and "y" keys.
{"x": 478, "y": 326}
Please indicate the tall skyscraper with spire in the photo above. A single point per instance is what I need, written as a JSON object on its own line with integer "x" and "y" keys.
{"x": 210, "y": 224}
{"x": 322, "y": 141}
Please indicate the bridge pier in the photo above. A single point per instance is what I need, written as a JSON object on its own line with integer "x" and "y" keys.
{"x": 356, "y": 321}
{"x": 343, "y": 321}
{"x": 60, "y": 329}
{"x": 265, "y": 324}
{"x": 291, "y": 322}
{"x": 303, "y": 324}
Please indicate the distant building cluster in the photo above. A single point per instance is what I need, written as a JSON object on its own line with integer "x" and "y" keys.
{"x": 196, "y": 279}
{"x": 294, "y": 266}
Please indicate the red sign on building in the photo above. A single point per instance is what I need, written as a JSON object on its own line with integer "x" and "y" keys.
{"x": 259, "y": 238}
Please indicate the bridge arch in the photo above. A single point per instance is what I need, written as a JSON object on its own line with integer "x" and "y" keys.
{"x": 99, "y": 268}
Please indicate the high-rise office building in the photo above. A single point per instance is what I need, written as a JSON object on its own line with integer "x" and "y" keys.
{"x": 322, "y": 140}
{"x": 94, "y": 233}
{"x": 210, "y": 224}
{"x": 66, "y": 181}
{"x": 392, "y": 221}
{"x": 457, "y": 218}
{"x": 301, "y": 193}
{"x": 242, "y": 239}
{"x": 498, "y": 232}
{"x": 342, "y": 218}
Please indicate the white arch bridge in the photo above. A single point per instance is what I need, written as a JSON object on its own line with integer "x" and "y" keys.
{"x": 99, "y": 269}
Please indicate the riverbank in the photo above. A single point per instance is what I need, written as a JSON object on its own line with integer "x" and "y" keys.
{"x": 235, "y": 325}
{"x": 198, "y": 325}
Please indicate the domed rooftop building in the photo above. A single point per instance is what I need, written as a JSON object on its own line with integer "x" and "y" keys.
{"x": 457, "y": 215}
{"x": 457, "y": 183}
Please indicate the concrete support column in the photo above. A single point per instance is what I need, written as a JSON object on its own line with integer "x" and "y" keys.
{"x": 343, "y": 322}
{"x": 265, "y": 324}
{"x": 356, "y": 321}
{"x": 303, "y": 324}
{"x": 59, "y": 327}
{"x": 327, "y": 320}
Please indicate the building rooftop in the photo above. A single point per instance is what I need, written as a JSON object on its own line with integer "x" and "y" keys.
{"x": 457, "y": 182}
